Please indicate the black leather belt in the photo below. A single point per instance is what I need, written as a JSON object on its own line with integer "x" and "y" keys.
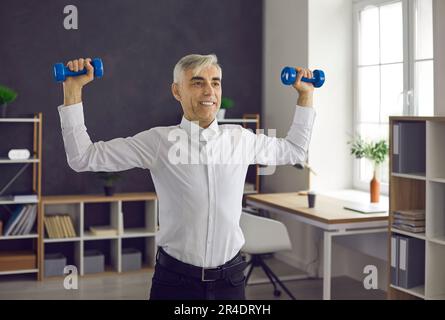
{"x": 237, "y": 264}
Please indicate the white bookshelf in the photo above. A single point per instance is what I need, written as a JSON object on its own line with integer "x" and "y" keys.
{"x": 29, "y": 160}
{"x": 22, "y": 271}
{"x": 18, "y": 120}
{"x": 424, "y": 191}
{"x": 24, "y": 236}
{"x": 410, "y": 234}
{"x": 133, "y": 215}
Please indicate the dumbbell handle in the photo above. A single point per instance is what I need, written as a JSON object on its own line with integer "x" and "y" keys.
{"x": 69, "y": 73}
{"x": 289, "y": 76}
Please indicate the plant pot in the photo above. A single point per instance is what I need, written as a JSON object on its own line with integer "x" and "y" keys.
{"x": 109, "y": 190}
{"x": 3, "y": 108}
{"x": 375, "y": 189}
{"x": 221, "y": 114}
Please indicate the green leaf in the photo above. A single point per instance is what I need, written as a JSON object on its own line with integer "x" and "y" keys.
{"x": 376, "y": 151}
{"x": 227, "y": 103}
{"x": 7, "y": 95}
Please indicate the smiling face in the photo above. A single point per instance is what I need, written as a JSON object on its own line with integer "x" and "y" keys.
{"x": 199, "y": 94}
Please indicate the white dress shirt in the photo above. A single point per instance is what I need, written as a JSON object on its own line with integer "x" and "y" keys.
{"x": 200, "y": 193}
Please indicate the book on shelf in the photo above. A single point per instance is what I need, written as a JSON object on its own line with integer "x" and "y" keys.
{"x": 21, "y": 220}
{"x": 16, "y": 220}
{"x": 19, "y": 198}
{"x": 411, "y": 223}
{"x": 409, "y": 220}
{"x": 405, "y": 227}
{"x": 416, "y": 214}
{"x": 25, "y": 197}
{"x": 30, "y": 220}
{"x": 103, "y": 231}
{"x": 59, "y": 226}
{"x": 407, "y": 261}
{"x": 409, "y": 147}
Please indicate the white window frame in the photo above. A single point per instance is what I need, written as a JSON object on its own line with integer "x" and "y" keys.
{"x": 409, "y": 105}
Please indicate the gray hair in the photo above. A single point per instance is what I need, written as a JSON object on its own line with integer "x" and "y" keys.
{"x": 194, "y": 62}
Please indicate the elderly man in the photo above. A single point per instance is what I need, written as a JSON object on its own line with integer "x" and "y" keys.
{"x": 200, "y": 191}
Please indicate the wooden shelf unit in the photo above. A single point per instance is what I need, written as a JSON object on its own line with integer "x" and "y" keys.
{"x": 116, "y": 210}
{"x": 413, "y": 190}
{"x": 30, "y": 242}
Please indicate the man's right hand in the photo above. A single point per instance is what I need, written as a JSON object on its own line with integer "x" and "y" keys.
{"x": 72, "y": 86}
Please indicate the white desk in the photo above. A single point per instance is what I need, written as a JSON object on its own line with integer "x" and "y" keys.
{"x": 328, "y": 214}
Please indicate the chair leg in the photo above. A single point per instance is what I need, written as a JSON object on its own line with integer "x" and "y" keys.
{"x": 276, "y": 292}
{"x": 264, "y": 265}
{"x": 252, "y": 265}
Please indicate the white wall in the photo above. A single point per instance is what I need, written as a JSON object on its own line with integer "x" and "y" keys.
{"x": 285, "y": 43}
{"x": 330, "y": 49}
{"x": 439, "y": 57}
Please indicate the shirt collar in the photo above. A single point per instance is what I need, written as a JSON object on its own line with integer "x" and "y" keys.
{"x": 204, "y": 133}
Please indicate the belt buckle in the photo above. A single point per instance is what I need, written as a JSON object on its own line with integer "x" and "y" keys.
{"x": 203, "y": 275}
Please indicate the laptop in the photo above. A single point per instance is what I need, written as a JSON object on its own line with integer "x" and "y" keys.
{"x": 367, "y": 207}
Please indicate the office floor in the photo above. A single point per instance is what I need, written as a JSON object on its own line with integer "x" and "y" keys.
{"x": 136, "y": 286}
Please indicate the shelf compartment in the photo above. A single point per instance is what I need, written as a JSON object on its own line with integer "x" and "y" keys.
{"x": 435, "y": 211}
{"x": 435, "y": 266}
{"x": 73, "y": 210}
{"x": 146, "y": 245}
{"x": 139, "y": 217}
{"x": 69, "y": 249}
{"x": 435, "y": 151}
{"x": 407, "y": 194}
{"x": 101, "y": 214}
{"x": 18, "y": 255}
{"x": 110, "y": 248}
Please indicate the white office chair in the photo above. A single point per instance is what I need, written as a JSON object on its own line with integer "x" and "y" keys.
{"x": 264, "y": 236}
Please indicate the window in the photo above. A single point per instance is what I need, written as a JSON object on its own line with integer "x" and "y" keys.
{"x": 393, "y": 71}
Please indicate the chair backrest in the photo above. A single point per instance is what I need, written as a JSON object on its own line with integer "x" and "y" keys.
{"x": 263, "y": 235}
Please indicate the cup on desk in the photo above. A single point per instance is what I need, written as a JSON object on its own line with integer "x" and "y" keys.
{"x": 311, "y": 199}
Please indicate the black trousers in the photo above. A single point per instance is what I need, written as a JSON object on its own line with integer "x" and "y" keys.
{"x": 167, "y": 284}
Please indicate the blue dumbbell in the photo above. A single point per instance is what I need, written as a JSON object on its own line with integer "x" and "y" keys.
{"x": 61, "y": 71}
{"x": 289, "y": 76}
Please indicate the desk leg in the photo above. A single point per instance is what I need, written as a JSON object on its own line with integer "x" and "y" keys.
{"x": 327, "y": 260}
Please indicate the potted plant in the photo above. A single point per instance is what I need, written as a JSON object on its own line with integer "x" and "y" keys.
{"x": 7, "y": 95}
{"x": 109, "y": 179}
{"x": 226, "y": 103}
{"x": 375, "y": 151}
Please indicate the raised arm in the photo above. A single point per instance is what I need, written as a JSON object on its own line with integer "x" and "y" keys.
{"x": 138, "y": 151}
{"x": 293, "y": 149}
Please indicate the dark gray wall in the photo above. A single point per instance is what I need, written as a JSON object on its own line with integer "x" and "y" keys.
{"x": 139, "y": 42}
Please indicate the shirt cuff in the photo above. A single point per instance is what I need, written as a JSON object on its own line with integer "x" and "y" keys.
{"x": 71, "y": 115}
